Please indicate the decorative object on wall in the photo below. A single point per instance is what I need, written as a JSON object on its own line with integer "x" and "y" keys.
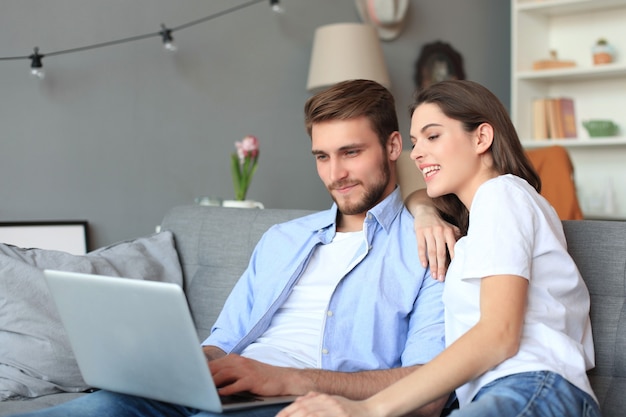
{"x": 244, "y": 165}
{"x": 438, "y": 61}
{"x": 346, "y": 51}
{"x": 67, "y": 235}
{"x": 387, "y": 16}
{"x": 165, "y": 34}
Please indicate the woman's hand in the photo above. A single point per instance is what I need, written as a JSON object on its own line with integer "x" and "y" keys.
{"x": 435, "y": 237}
{"x": 322, "y": 405}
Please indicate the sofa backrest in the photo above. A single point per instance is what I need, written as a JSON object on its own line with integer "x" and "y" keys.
{"x": 215, "y": 244}
{"x": 599, "y": 250}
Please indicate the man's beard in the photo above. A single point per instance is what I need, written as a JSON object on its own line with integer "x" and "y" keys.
{"x": 373, "y": 195}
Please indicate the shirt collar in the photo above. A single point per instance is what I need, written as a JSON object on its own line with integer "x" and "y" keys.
{"x": 384, "y": 213}
{"x": 387, "y": 210}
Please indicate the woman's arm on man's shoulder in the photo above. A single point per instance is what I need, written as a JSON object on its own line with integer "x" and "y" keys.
{"x": 435, "y": 237}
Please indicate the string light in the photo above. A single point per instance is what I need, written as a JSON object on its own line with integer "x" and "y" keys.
{"x": 168, "y": 40}
{"x": 36, "y": 66}
{"x": 276, "y": 6}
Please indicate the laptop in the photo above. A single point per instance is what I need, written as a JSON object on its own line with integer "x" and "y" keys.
{"x": 137, "y": 337}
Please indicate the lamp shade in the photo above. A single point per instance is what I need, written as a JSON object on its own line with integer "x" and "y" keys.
{"x": 346, "y": 51}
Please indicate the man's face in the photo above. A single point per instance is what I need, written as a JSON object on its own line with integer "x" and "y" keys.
{"x": 352, "y": 164}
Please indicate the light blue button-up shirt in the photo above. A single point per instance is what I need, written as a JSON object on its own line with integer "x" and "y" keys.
{"x": 386, "y": 312}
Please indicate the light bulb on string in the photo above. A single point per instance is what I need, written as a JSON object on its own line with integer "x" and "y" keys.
{"x": 36, "y": 66}
{"x": 168, "y": 39}
{"x": 276, "y": 6}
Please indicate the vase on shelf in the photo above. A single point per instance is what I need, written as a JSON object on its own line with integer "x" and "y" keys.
{"x": 242, "y": 204}
{"x": 602, "y": 52}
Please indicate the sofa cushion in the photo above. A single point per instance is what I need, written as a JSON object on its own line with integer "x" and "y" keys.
{"x": 35, "y": 355}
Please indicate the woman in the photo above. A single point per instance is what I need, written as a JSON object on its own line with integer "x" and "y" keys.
{"x": 518, "y": 334}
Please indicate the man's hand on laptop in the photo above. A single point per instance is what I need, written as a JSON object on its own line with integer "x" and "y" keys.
{"x": 234, "y": 374}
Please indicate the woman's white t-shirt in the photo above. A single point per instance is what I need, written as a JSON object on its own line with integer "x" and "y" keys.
{"x": 514, "y": 231}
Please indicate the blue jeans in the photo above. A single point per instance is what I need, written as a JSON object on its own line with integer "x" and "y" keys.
{"x": 530, "y": 394}
{"x": 110, "y": 404}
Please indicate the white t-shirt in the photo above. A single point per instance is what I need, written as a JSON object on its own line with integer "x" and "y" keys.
{"x": 513, "y": 230}
{"x": 294, "y": 336}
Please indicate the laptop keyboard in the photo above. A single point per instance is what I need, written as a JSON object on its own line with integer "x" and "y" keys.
{"x": 239, "y": 398}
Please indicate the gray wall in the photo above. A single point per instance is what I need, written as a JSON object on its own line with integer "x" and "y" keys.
{"x": 119, "y": 135}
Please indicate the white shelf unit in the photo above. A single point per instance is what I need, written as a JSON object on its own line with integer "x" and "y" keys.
{"x": 571, "y": 28}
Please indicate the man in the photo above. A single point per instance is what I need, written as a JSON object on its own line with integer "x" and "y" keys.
{"x": 334, "y": 302}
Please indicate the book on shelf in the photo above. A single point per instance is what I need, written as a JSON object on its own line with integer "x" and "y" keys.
{"x": 568, "y": 116}
{"x": 554, "y": 118}
{"x": 540, "y": 120}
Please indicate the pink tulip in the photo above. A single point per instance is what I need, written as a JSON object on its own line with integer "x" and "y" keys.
{"x": 244, "y": 163}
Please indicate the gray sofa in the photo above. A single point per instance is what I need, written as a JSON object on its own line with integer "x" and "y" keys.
{"x": 214, "y": 245}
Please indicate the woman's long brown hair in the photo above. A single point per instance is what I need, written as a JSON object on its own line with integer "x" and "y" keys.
{"x": 472, "y": 105}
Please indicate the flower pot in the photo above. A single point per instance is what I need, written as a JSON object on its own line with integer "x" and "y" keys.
{"x": 602, "y": 52}
{"x": 242, "y": 204}
{"x": 602, "y": 58}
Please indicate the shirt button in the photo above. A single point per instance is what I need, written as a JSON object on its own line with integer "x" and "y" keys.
{"x": 329, "y": 313}
{"x": 325, "y": 351}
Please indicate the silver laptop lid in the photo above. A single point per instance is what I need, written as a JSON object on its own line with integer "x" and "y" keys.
{"x": 135, "y": 337}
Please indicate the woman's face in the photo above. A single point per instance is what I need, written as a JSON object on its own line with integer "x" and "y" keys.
{"x": 448, "y": 157}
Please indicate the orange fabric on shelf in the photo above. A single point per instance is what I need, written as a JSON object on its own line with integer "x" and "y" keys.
{"x": 556, "y": 171}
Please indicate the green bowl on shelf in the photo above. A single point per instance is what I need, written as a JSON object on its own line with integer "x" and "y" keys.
{"x": 600, "y": 128}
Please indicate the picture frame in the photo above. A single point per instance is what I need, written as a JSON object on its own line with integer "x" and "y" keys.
{"x": 437, "y": 61}
{"x": 70, "y": 236}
